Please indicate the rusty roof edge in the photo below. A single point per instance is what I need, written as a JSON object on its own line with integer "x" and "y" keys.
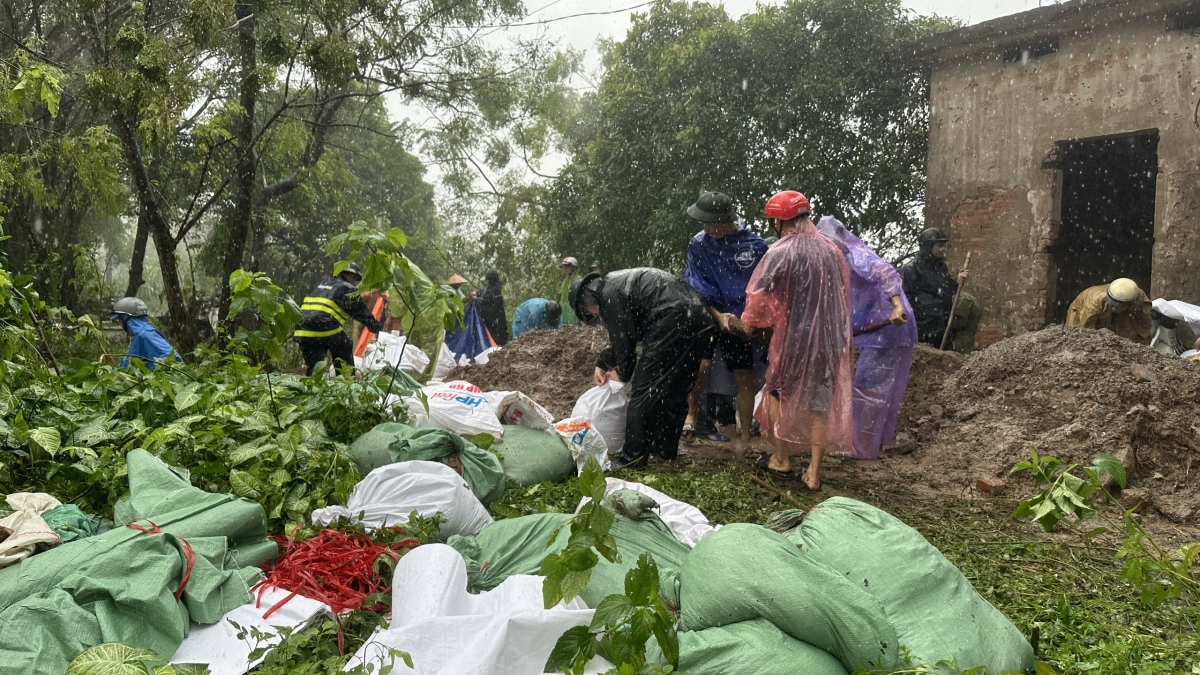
{"x": 1034, "y": 23}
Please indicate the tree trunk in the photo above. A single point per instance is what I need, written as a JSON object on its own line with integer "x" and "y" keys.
{"x": 247, "y": 166}
{"x": 150, "y": 212}
{"x": 137, "y": 264}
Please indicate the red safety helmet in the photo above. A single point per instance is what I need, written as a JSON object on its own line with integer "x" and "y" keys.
{"x": 787, "y": 205}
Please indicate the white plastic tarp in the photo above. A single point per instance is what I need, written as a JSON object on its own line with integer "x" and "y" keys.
{"x": 217, "y": 645}
{"x": 389, "y": 494}
{"x": 459, "y": 407}
{"x": 1180, "y": 311}
{"x": 448, "y": 631}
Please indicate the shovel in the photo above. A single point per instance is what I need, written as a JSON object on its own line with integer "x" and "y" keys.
{"x": 954, "y": 306}
{"x": 878, "y": 325}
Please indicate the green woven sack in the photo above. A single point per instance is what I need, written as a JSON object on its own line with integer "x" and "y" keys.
{"x": 394, "y": 442}
{"x": 120, "y": 586}
{"x": 530, "y": 457}
{"x": 746, "y": 572}
{"x": 518, "y": 545}
{"x": 938, "y": 615}
{"x": 748, "y": 648}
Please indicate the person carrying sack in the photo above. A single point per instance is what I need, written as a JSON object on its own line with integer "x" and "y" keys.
{"x": 656, "y": 309}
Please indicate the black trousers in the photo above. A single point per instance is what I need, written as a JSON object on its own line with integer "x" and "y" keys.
{"x": 664, "y": 376}
{"x": 314, "y": 350}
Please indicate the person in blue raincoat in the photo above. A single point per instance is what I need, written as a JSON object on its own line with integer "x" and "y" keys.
{"x": 536, "y": 313}
{"x": 721, "y": 258}
{"x": 146, "y": 343}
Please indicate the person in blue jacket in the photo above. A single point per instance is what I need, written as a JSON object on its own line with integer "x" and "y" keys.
{"x": 720, "y": 261}
{"x": 146, "y": 343}
{"x": 536, "y": 313}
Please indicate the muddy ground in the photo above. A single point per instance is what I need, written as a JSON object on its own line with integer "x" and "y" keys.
{"x": 1066, "y": 392}
{"x": 552, "y": 367}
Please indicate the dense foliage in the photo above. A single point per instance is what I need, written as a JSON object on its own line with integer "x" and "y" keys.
{"x": 177, "y": 141}
{"x": 810, "y": 94}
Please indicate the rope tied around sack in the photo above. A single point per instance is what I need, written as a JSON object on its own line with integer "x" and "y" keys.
{"x": 189, "y": 556}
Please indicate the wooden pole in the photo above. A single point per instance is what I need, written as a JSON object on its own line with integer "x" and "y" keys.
{"x": 778, "y": 492}
{"x": 954, "y": 306}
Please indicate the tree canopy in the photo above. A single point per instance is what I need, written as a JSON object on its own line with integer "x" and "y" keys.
{"x": 810, "y": 95}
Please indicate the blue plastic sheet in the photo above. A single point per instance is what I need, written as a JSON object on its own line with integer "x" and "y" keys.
{"x": 471, "y": 338}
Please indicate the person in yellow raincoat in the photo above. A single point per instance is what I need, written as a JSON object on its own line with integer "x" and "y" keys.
{"x": 1121, "y": 307}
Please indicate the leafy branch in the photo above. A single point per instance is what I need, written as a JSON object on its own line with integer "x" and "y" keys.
{"x": 1158, "y": 574}
{"x": 622, "y": 624}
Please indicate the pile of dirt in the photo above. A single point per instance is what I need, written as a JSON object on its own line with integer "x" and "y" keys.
{"x": 930, "y": 369}
{"x": 1070, "y": 393}
{"x": 553, "y": 367}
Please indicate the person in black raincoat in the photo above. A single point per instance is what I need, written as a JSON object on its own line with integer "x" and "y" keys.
{"x": 930, "y": 287}
{"x": 664, "y": 314}
{"x": 491, "y": 309}
{"x": 326, "y": 309}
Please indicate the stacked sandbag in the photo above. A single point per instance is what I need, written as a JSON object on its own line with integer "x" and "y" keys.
{"x": 390, "y": 494}
{"x": 747, "y": 573}
{"x": 530, "y": 457}
{"x": 756, "y": 647}
{"x": 394, "y": 442}
{"x": 186, "y": 556}
{"x": 937, "y": 614}
{"x": 518, "y": 545}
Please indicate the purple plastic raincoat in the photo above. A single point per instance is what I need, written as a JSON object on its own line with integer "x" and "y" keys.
{"x": 801, "y": 289}
{"x": 885, "y": 356}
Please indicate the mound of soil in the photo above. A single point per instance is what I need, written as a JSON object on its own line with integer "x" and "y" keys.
{"x": 552, "y": 367}
{"x": 1067, "y": 392}
{"x": 930, "y": 369}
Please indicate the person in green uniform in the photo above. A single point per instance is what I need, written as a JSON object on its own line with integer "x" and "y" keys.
{"x": 570, "y": 276}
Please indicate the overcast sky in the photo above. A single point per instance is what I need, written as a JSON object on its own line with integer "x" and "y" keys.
{"x": 582, "y": 32}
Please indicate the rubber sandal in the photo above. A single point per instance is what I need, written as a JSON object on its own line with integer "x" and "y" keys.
{"x": 763, "y": 465}
{"x": 689, "y": 432}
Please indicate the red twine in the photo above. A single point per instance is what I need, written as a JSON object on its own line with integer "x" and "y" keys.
{"x": 189, "y": 556}
{"x": 335, "y": 567}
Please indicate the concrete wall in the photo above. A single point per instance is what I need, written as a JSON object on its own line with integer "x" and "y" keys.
{"x": 993, "y": 123}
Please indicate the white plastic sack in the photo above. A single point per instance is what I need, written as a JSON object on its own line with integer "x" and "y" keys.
{"x": 515, "y": 408}
{"x": 687, "y": 523}
{"x": 217, "y": 645}
{"x": 445, "y": 363}
{"x": 389, "y": 494}
{"x": 448, "y": 631}
{"x": 388, "y": 349}
{"x": 459, "y": 407}
{"x": 584, "y": 441}
{"x": 25, "y": 527}
{"x": 606, "y": 407}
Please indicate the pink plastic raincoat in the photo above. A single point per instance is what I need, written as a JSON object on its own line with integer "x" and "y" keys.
{"x": 801, "y": 289}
